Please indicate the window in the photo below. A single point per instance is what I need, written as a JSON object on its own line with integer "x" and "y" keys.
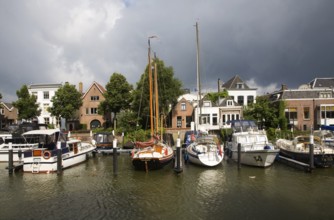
{"x": 87, "y": 111}
{"x": 205, "y": 118}
{"x": 45, "y": 107}
{"x": 57, "y": 121}
{"x": 46, "y": 95}
{"x": 229, "y": 103}
{"x": 47, "y": 120}
{"x": 214, "y": 119}
{"x": 206, "y": 104}
{"x": 93, "y": 111}
{"x": 188, "y": 121}
{"x": 240, "y": 85}
{"x": 240, "y": 100}
{"x": 325, "y": 95}
{"x": 327, "y": 112}
{"x": 250, "y": 100}
{"x": 94, "y": 98}
{"x": 305, "y": 127}
{"x": 179, "y": 121}
{"x": 306, "y": 112}
{"x": 291, "y": 113}
{"x": 183, "y": 106}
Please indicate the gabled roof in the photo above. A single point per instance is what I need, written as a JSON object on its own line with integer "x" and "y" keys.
{"x": 322, "y": 83}
{"x": 7, "y": 105}
{"x": 233, "y": 82}
{"x": 223, "y": 102}
{"x": 298, "y": 94}
{"x": 99, "y": 87}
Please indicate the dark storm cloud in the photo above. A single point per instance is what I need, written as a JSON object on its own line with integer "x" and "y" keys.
{"x": 267, "y": 43}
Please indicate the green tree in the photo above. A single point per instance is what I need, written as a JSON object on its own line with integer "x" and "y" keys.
{"x": 214, "y": 96}
{"x": 126, "y": 121}
{"x": 66, "y": 101}
{"x": 117, "y": 96}
{"x": 169, "y": 89}
{"x": 263, "y": 112}
{"x": 26, "y": 104}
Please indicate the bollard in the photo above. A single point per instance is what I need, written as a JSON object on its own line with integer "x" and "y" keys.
{"x": 10, "y": 159}
{"x": 311, "y": 149}
{"x": 115, "y": 156}
{"x": 178, "y": 168}
{"x": 59, "y": 159}
{"x": 239, "y": 156}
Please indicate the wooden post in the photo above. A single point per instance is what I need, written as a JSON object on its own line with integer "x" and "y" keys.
{"x": 178, "y": 168}
{"x": 311, "y": 149}
{"x": 10, "y": 159}
{"x": 59, "y": 159}
{"x": 239, "y": 155}
{"x": 115, "y": 156}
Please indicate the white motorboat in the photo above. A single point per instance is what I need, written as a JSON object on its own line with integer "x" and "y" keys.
{"x": 18, "y": 147}
{"x": 44, "y": 158}
{"x": 255, "y": 149}
{"x": 205, "y": 151}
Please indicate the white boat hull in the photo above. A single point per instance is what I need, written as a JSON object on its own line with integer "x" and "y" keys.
{"x": 258, "y": 158}
{"x": 40, "y": 164}
{"x": 209, "y": 158}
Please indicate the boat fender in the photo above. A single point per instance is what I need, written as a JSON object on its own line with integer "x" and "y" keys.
{"x": 186, "y": 157}
{"x": 229, "y": 153}
{"x": 46, "y": 155}
{"x": 267, "y": 147}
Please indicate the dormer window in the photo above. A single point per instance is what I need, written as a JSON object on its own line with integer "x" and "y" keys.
{"x": 229, "y": 103}
{"x": 240, "y": 85}
{"x": 325, "y": 95}
{"x": 206, "y": 104}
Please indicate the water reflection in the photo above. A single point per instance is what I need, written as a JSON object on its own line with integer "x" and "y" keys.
{"x": 92, "y": 191}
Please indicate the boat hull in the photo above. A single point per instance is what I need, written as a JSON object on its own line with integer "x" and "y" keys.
{"x": 49, "y": 164}
{"x": 151, "y": 159}
{"x": 209, "y": 159}
{"x": 320, "y": 160}
{"x": 257, "y": 158}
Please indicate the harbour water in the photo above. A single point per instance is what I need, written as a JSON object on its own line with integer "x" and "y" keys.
{"x": 92, "y": 191}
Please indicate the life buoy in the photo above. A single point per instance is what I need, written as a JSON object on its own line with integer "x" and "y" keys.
{"x": 46, "y": 155}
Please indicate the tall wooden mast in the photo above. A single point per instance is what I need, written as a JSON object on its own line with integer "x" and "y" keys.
{"x": 156, "y": 94}
{"x": 150, "y": 84}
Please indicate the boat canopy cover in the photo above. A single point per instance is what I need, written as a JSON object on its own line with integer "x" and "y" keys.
{"x": 327, "y": 127}
{"x": 242, "y": 125}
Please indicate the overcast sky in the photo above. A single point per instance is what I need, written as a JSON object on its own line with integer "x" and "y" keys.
{"x": 266, "y": 42}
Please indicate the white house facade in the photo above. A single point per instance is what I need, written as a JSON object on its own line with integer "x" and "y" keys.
{"x": 44, "y": 94}
{"x": 238, "y": 90}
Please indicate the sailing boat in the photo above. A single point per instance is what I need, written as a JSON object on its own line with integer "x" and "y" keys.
{"x": 152, "y": 154}
{"x": 205, "y": 149}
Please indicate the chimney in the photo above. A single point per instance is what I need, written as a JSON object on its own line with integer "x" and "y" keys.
{"x": 80, "y": 87}
{"x": 284, "y": 87}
